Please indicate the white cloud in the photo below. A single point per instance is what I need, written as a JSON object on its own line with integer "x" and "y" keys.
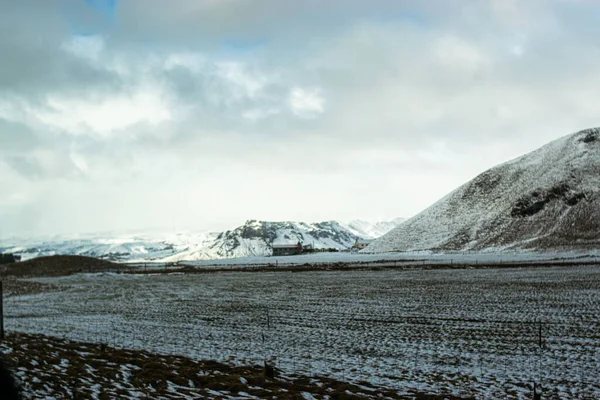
{"x": 306, "y": 103}
{"x": 454, "y": 52}
{"x": 192, "y": 61}
{"x": 244, "y": 82}
{"x": 107, "y": 115}
{"x": 87, "y": 47}
{"x": 80, "y": 162}
{"x": 258, "y": 114}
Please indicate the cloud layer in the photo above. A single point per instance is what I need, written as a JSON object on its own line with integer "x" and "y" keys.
{"x": 134, "y": 114}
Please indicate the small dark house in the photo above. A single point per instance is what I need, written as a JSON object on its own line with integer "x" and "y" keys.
{"x": 361, "y": 244}
{"x": 287, "y": 249}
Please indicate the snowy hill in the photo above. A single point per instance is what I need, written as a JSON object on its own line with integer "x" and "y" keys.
{"x": 112, "y": 246}
{"x": 254, "y": 238}
{"x": 548, "y": 199}
{"x": 369, "y": 229}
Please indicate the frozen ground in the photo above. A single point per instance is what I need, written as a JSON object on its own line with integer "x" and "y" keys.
{"x": 399, "y": 258}
{"x": 462, "y": 332}
{"x": 53, "y": 368}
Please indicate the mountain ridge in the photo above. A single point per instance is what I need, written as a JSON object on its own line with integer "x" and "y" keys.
{"x": 548, "y": 199}
{"x": 253, "y": 238}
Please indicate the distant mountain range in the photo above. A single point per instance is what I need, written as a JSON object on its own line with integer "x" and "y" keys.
{"x": 546, "y": 200}
{"x": 254, "y": 238}
{"x": 369, "y": 229}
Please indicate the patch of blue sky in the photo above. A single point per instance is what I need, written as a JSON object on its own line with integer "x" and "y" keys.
{"x": 243, "y": 46}
{"x": 412, "y": 16}
{"x": 106, "y": 7}
{"x": 239, "y": 48}
{"x": 105, "y": 11}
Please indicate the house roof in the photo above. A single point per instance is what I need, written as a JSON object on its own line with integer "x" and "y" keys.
{"x": 285, "y": 246}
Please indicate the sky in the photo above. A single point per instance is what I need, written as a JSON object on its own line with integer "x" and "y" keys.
{"x": 202, "y": 114}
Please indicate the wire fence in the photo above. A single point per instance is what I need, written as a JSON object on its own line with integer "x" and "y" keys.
{"x": 419, "y": 354}
{"x": 351, "y": 329}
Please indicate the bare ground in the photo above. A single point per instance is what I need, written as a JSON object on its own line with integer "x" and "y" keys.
{"x": 59, "y": 266}
{"x": 62, "y": 369}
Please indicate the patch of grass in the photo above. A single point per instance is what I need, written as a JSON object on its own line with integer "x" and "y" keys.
{"x": 45, "y": 374}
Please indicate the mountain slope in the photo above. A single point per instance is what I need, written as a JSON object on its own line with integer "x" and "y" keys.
{"x": 254, "y": 238}
{"x": 368, "y": 229}
{"x": 547, "y": 199}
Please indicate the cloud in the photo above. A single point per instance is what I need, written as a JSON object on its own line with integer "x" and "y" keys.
{"x": 207, "y": 113}
{"x": 456, "y": 53}
{"x": 107, "y": 115}
{"x": 34, "y": 60}
{"x": 258, "y": 114}
{"x": 88, "y": 47}
{"x": 306, "y": 103}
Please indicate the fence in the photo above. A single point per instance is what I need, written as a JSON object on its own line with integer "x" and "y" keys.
{"x": 486, "y": 337}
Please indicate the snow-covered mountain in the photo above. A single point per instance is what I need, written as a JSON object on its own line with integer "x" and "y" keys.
{"x": 254, "y": 238}
{"x": 112, "y": 245}
{"x": 548, "y": 199}
{"x": 370, "y": 229}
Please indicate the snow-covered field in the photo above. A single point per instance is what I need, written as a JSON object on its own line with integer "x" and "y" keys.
{"x": 412, "y": 258}
{"x": 54, "y": 368}
{"x": 463, "y": 332}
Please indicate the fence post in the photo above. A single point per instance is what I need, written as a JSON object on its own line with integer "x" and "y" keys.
{"x": 1, "y": 312}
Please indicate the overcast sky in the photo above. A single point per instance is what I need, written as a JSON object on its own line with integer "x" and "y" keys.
{"x": 201, "y": 114}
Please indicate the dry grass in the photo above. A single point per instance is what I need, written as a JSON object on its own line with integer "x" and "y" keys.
{"x": 59, "y": 266}
{"x": 17, "y": 287}
{"x": 69, "y": 370}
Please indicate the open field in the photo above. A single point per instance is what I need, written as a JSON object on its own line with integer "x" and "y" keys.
{"x": 469, "y": 333}
{"x": 47, "y": 367}
{"x": 354, "y": 260}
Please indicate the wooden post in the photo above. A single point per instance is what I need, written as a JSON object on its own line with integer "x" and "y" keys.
{"x": 1, "y": 312}
{"x": 536, "y": 395}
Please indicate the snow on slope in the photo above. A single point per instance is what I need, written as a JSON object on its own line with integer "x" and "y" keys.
{"x": 370, "y": 229}
{"x": 111, "y": 245}
{"x": 254, "y": 238}
{"x": 547, "y": 199}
